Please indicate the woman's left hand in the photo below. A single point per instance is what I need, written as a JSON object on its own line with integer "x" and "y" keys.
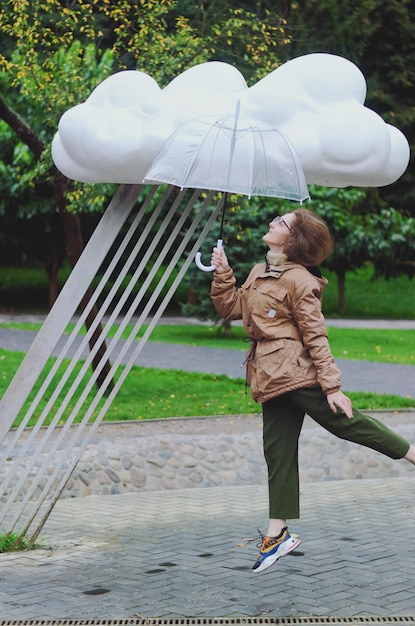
{"x": 339, "y": 400}
{"x": 219, "y": 259}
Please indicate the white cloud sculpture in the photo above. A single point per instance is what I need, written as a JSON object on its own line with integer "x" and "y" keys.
{"x": 316, "y": 100}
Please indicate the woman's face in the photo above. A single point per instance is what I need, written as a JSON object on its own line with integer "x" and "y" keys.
{"x": 279, "y": 228}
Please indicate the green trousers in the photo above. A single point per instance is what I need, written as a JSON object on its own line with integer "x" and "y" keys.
{"x": 283, "y": 418}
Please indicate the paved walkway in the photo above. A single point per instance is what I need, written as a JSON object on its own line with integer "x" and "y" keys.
{"x": 179, "y": 553}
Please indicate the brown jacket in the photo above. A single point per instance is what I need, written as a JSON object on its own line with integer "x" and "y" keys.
{"x": 281, "y": 311}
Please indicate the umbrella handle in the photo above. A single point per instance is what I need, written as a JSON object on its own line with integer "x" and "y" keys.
{"x": 207, "y": 268}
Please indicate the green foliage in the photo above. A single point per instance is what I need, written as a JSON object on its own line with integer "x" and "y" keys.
{"x": 391, "y": 242}
{"x": 54, "y": 54}
{"x": 380, "y": 38}
{"x": 45, "y": 88}
{"x": 383, "y": 236}
{"x": 57, "y": 54}
{"x": 245, "y": 225}
{"x": 44, "y": 70}
{"x": 13, "y": 542}
{"x": 340, "y": 210}
{"x": 165, "y": 38}
{"x": 363, "y": 231}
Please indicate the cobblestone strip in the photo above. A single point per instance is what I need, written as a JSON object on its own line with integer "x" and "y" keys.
{"x": 126, "y": 461}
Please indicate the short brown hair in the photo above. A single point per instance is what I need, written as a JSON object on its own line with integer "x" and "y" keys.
{"x": 310, "y": 241}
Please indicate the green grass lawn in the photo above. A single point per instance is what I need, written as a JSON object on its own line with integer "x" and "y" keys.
{"x": 146, "y": 393}
{"x": 153, "y": 393}
{"x": 149, "y": 393}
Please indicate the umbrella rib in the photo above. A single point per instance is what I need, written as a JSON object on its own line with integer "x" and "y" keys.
{"x": 263, "y": 149}
{"x": 233, "y": 139}
{"x": 195, "y": 156}
{"x": 295, "y": 159}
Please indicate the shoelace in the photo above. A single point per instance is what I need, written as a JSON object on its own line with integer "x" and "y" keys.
{"x": 259, "y": 539}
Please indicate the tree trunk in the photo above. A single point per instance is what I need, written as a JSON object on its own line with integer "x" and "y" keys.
{"x": 74, "y": 239}
{"x": 51, "y": 265}
{"x": 225, "y": 328}
{"x": 341, "y": 293}
{"x": 74, "y": 248}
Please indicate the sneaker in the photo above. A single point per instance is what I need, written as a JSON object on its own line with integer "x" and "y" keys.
{"x": 272, "y": 548}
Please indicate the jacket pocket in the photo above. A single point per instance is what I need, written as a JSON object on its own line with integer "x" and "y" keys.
{"x": 270, "y": 366}
{"x": 270, "y": 302}
{"x": 281, "y": 365}
{"x": 265, "y": 348}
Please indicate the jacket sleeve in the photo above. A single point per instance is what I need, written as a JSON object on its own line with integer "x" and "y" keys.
{"x": 225, "y": 297}
{"x": 306, "y": 308}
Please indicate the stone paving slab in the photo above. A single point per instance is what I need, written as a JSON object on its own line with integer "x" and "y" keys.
{"x": 177, "y": 554}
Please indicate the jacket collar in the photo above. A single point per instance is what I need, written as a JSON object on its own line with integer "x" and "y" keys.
{"x": 276, "y": 269}
{"x": 274, "y": 259}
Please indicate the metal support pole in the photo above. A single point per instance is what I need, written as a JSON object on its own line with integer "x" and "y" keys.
{"x": 66, "y": 305}
{"x": 45, "y": 464}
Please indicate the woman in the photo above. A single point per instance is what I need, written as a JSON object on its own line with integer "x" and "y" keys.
{"x": 290, "y": 368}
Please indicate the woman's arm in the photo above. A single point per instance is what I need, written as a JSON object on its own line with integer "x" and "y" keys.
{"x": 306, "y": 308}
{"x": 312, "y": 327}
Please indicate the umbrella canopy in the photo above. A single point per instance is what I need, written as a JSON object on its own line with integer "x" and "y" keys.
{"x": 230, "y": 154}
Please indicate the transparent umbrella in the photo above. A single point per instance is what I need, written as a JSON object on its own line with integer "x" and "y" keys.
{"x": 232, "y": 154}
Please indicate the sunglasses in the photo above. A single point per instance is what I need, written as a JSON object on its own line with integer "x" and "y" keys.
{"x": 281, "y": 220}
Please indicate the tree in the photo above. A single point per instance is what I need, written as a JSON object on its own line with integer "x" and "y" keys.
{"x": 42, "y": 78}
{"x": 165, "y": 38}
{"x": 364, "y": 231}
{"x": 55, "y": 53}
{"x": 379, "y": 37}
{"x": 340, "y": 210}
{"x": 391, "y": 242}
{"x": 38, "y": 82}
